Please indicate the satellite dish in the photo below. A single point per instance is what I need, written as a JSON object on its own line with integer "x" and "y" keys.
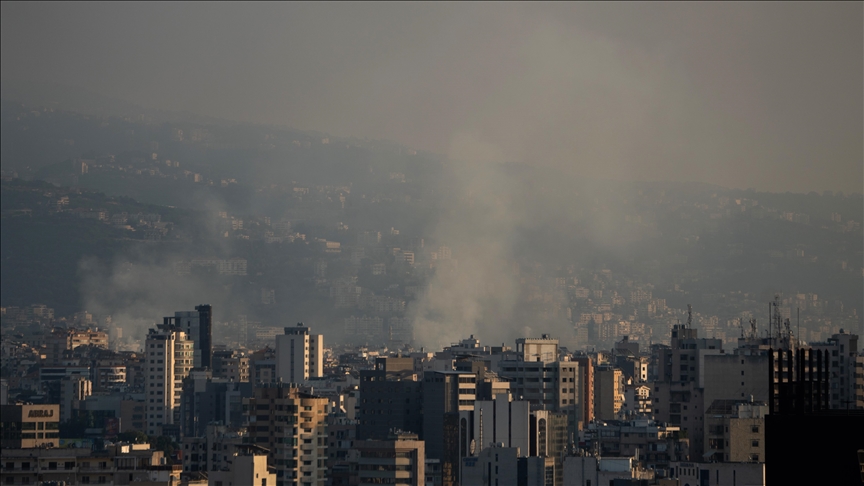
{"x": 472, "y": 447}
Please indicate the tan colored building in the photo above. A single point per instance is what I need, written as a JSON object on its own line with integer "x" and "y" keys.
{"x": 119, "y": 465}
{"x": 292, "y": 425}
{"x": 62, "y": 340}
{"x": 231, "y": 365}
{"x": 168, "y": 357}
{"x": 400, "y": 460}
{"x": 29, "y": 426}
{"x": 109, "y": 376}
{"x": 299, "y": 355}
{"x": 608, "y": 392}
{"x": 247, "y": 467}
{"x": 735, "y": 431}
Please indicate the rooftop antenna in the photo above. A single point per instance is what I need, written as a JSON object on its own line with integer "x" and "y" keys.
{"x": 741, "y": 325}
{"x": 689, "y": 316}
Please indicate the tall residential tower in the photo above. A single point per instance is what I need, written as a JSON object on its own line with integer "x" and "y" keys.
{"x": 299, "y": 355}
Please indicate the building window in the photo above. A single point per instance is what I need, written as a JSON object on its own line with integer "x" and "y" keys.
{"x": 754, "y": 443}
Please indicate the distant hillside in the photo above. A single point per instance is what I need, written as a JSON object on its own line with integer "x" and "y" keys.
{"x": 48, "y": 230}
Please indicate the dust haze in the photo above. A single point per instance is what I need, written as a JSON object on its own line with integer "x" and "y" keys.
{"x": 530, "y": 103}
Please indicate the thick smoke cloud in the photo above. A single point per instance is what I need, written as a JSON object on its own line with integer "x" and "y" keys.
{"x": 140, "y": 286}
{"x": 617, "y": 114}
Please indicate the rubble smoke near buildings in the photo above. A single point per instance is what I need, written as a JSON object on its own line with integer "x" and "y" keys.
{"x": 130, "y": 285}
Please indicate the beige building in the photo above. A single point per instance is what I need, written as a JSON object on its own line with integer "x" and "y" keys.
{"x": 608, "y": 392}
{"x": 62, "y": 340}
{"x": 735, "y": 431}
{"x": 29, "y": 426}
{"x": 544, "y": 349}
{"x": 299, "y": 355}
{"x": 233, "y": 367}
{"x": 637, "y": 400}
{"x": 168, "y": 357}
{"x": 247, "y": 467}
{"x": 400, "y": 460}
{"x": 119, "y": 465}
{"x": 292, "y": 425}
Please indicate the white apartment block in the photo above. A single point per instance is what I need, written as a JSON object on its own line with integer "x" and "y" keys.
{"x": 169, "y": 356}
{"x": 299, "y": 355}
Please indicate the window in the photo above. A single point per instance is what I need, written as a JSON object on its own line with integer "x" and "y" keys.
{"x": 754, "y": 443}
{"x": 754, "y": 429}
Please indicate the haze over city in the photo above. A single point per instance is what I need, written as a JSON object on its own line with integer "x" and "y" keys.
{"x": 604, "y": 242}
{"x": 754, "y": 95}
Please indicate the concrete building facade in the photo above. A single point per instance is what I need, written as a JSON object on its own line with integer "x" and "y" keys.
{"x": 400, "y": 460}
{"x": 608, "y": 392}
{"x": 292, "y": 426}
{"x": 299, "y": 355}
{"x": 26, "y": 426}
{"x": 169, "y": 358}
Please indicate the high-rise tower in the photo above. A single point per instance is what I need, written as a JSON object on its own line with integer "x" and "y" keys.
{"x": 198, "y": 326}
{"x": 168, "y": 358}
{"x": 299, "y": 354}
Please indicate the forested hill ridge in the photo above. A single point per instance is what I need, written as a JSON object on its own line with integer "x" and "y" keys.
{"x": 48, "y": 230}
{"x": 272, "y": 222}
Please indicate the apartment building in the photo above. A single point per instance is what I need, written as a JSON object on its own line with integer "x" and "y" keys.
{"x": 169, "y": 356}
{"x": 299, "y": 355}
{"x": 292, "y": 426}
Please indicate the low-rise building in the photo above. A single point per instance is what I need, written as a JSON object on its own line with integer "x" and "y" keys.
{"x": 248, "y": 466}
{"x": 119, "y": 465}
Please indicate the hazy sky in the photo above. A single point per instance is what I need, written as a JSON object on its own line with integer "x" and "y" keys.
{"x": 764, "y": 95}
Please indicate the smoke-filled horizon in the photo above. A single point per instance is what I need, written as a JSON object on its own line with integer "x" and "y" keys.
{"x": 763, "y": 96}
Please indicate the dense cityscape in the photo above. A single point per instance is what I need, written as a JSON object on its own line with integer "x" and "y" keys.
{"x": 196, "y": 295}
